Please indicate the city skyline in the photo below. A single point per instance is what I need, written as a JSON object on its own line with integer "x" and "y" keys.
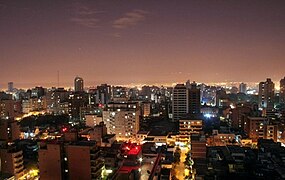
{"x": 141, "y": 42}
{"x": 92, "y": 84}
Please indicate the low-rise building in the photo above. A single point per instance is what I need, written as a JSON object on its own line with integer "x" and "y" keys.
{"x": 188, "y": 127}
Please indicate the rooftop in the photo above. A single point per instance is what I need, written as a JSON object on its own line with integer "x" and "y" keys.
{"x": 157, "y": 133}
{"x": 135, "y": 150}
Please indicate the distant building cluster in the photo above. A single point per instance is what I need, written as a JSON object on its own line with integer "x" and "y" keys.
{"x": 116, "y": 132}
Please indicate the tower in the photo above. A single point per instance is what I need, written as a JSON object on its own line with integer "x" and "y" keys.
{"x": 78, "y": 84}
{"x": 242, "y": 88}
{"x": 10, "y": 86}
{"x": 194, "y": 100}
{"x": 266, "y": 96}
{"x": 180, "y": 102}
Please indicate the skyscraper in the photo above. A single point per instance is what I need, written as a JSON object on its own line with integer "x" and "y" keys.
{"x": 194, "y": 100}
{"x": 10, "y": 86}
{"x": 282, "y": 90}
{"x": 103, "y": 94}
{"x": 266, "y": 96}
{"x": 180, "y": 102}
{"x": 242, "y": 88}
{"x": 266, "y": 93}
{"x": 78, "y": 84}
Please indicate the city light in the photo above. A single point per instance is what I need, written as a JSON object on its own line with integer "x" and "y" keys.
{"x": 142, "y": 90}
{"x": 109, "y": 171}
{"x": 207, "y": 115}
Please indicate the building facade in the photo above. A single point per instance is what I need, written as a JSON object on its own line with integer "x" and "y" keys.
{"x": 78, "y": 84}
{"x": 266, "y": 97}
{"x": 122, "y": 119}
{"x": 180, "y": 102}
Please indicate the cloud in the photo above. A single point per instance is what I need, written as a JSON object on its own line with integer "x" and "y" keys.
{"x": 117, "y": 35}
{"x": 85, "y": 16}
{"x": 130, "y": 19}
{"x": 88, "y": 22}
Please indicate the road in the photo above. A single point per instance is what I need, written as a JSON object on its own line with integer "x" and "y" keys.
{"x": 147, "y": 165}
{"x": 180, "y": 168}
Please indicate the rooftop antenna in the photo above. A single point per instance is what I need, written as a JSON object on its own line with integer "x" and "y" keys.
{"x": 57, "y": 79}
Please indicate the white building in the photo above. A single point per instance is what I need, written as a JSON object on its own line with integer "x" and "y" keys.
{"x": 122, "y": 119}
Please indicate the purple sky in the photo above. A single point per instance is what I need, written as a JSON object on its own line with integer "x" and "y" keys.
{"x": 121, "y": 42}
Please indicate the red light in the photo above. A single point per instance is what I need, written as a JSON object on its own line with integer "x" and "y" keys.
{"x": 64, "y": 129}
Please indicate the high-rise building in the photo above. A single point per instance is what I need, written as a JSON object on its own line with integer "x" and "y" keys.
{"x": 55, "y": 98}
{"x": 145, "y": 93}
{"x": 11, "y": 160}
{"x": 7, "y": 109}
{"x": 259, "y": 128}
{"x": 92, "y": 120}
{"x": 242, "y": 88}
{"x": 10, "y": 86}
{"x": 78, "y": 84}
{"x": 122, "y": 119}
{"x": 76, "y": 160}
{"x": 194, "y": 100}
{"x": 222, "y": 99}
{"x": 180, "y": 104}
{"x": 282, "y": 90}
{"x": 38, "y": 92}
{"x": 119, "y": 93}
{"x": 237, "y": 116}
{"x": 254, "y": 127}
{"x": 50, "y": 159}
{"x": 9, "y": 130}
{"x": 91, "y": 164}
{"x": 186, "y": 101}
{"x": 266, "y": 96}
{"x": 146, "y": 109}
{"x": 103, "y": 94}
{"x": 77, "y": 102}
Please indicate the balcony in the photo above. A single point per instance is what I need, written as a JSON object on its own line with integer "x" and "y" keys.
{"x": 17, "y": 162}
{"x": 18, "y": 158}
{"x": 94, "y": 152}
{"x": 96, "y": 162}
{"x": 16, "y": 153}
{"x": 94, "y": 157}
{"x": 95, "y": 175}
{"x": 19, "y": 169}
{"x": 97, "y": 169}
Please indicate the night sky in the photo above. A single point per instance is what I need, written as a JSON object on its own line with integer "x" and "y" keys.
{"x": 150, "y": 41}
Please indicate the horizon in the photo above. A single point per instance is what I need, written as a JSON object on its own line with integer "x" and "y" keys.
{"x": 87, "y": 85}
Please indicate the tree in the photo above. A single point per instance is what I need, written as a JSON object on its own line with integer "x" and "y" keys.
{"x": 177, "y": 155}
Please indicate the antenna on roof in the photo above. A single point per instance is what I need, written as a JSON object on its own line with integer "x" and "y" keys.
{"x": 57, "y": 79}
